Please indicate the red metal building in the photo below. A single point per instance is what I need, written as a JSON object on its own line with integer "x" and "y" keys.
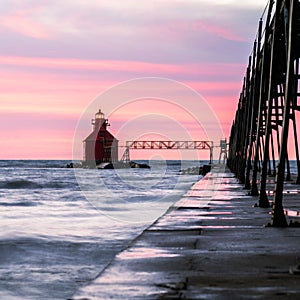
{"x": 100, "y": 146}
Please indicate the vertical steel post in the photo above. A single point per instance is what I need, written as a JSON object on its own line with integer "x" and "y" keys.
{"x": 257, "y": 77}
{"x": 263, "y": 198}
{"x": 264, "y": 78}
{"x": 245, "y": 121}
{"x": 278, "y": 217}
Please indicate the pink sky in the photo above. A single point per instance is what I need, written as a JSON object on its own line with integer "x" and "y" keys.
{"x": 56, "y": 57}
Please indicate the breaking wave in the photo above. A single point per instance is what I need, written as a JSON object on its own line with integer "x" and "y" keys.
{"x": 19, "y": 184}
{"x": 28, "y": 184}
{"x": 20, "y": 203}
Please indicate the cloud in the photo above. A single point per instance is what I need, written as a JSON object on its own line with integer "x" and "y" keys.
{"x": 222, "y": 31}
{"x": 27, "y": 21}
{"x": 118, "y": 66}
{"x": 154, "y": 31}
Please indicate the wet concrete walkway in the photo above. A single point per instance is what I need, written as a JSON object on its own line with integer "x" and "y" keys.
{"x": 212, "y": 244}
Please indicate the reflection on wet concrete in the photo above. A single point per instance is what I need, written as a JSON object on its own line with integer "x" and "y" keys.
{"x": 145, "y": 252}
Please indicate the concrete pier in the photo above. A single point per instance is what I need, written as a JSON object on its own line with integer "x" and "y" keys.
{"x": 212, "y": 244}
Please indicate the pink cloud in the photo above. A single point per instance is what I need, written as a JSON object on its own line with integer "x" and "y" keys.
{"x": 215, "y": 86}
{"x": 23, "y": 81}
{"x": 159, "y": 69}
{"x": 62, "y": 63}
{"x": 21, "y": 22}
{"x": 181, "y": 29}
{"x": 25, "y": 92}
{"x": 222, "y": 31}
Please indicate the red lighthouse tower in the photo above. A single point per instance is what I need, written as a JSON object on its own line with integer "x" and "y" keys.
{"x": 100, "y": 146}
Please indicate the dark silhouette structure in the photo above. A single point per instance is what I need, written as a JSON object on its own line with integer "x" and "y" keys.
{"x": 265, "y": 119}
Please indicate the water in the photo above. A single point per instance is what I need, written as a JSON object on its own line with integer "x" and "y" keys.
{"x": 60, "y": 227}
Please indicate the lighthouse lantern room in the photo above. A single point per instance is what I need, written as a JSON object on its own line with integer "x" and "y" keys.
{"x": 100, "y": 146}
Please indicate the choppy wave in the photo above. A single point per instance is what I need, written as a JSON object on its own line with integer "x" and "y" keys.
{"x": 19, "y": 203}
{"x": 19, "y": 184}
{"x": 29, "y": 184}
{"x": 33, "y": 163}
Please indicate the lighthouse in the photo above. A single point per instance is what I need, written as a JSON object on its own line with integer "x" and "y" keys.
{"x": 100, "y": 146}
